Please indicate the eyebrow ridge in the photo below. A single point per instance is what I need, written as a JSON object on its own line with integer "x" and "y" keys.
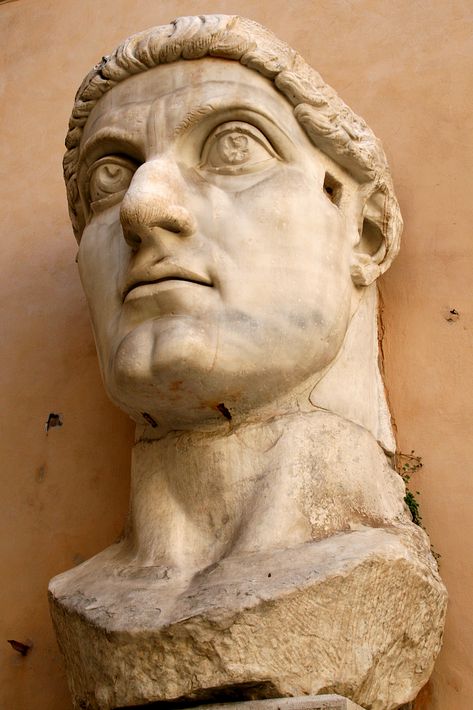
{"x": 196, "y": 114}
{"x": 193, "y": 117}
{"x": 107, "y": 133}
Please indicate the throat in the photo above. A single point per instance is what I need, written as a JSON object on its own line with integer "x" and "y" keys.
{"x": 198, "y": 497}
{"x": 193, "y": 493}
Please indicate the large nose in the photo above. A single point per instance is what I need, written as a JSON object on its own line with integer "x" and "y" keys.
{"x": 156, "y": 204}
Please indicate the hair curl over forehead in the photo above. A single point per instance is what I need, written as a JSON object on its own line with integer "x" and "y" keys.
{"x": 328, "y": 121}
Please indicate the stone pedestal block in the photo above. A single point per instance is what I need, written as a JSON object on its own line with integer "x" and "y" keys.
{"x": 358, "y": 614}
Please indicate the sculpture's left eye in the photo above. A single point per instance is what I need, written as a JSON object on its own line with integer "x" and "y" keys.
{"x": 108, "y": 178}
{"x": 236, "y": 147}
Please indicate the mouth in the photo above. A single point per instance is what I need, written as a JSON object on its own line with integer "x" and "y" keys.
{"x": 142, "y": 286}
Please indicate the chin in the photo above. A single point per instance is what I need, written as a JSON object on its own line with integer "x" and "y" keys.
{"x": 183, "y": 393}
{"x": 169, "y": 378}
{"x": 180, "y": 391}
{"x": 179, "y": 371}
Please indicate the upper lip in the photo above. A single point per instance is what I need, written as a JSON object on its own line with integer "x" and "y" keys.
{"x": 166, "y": 272}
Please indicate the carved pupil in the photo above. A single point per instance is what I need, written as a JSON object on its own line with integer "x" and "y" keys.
{"x": 233, "y": 148}
{"x": 109, "y": 178}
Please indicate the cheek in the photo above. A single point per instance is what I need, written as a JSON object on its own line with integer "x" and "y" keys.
{"x": 102, "y": 259}
{"x": 283, "y": 262}
{"x": 283, "y": 234}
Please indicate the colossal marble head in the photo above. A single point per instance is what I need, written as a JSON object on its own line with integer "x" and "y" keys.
{"x": 232, "y": 213}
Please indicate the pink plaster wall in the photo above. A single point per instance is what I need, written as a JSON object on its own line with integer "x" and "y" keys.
{"x": 407, "y": 68}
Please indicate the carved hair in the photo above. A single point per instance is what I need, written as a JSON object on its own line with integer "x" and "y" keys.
{"x": 328, "y": 121}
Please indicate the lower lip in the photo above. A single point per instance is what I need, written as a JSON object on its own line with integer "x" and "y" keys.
{"x": 160, "y": 287}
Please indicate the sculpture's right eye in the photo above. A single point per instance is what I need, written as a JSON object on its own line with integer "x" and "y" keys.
{"x": 109, "y": 178}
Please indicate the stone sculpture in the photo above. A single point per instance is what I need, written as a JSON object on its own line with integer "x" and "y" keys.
{"x": 233, "y": 216}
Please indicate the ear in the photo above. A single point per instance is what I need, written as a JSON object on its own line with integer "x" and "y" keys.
{"x": 379, "y": 233}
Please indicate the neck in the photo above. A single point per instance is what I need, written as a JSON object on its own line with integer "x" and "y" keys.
{"x": 200, "y": 496}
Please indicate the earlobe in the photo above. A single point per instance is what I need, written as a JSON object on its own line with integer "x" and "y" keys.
{"x": 364, "y": 270}
{"x": 379, "y": 234}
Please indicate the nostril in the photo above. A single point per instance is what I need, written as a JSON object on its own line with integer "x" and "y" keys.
{"x": 176, "y": 220}
{"x": 147, "y": 218}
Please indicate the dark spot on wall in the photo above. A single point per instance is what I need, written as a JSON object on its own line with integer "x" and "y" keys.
{"x": 54, "y": 420}
{"x": 452, "y": 315}
{"x": 19, "y": 647}
{"x": 41, "y": 474}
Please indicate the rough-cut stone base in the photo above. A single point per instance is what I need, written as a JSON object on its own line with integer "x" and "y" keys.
{"x": 355, "y": 614}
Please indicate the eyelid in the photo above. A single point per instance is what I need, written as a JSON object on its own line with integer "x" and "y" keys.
{"x": 280, "y": 139}
{"x": 94, "y": 206}
{"x": 243, "y": 127}
{"x": 104, "y": 202}
{"x": 118, "y": 159}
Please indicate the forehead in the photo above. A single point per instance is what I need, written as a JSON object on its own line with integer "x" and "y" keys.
{"x": 172, "y": 90}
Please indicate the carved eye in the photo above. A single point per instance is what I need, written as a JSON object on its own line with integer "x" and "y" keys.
{"x": 236, "y": 147}
{"x": 109, "y": 176}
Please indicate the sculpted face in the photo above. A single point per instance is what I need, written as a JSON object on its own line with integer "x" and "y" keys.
{"x": 216, "y": 265}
